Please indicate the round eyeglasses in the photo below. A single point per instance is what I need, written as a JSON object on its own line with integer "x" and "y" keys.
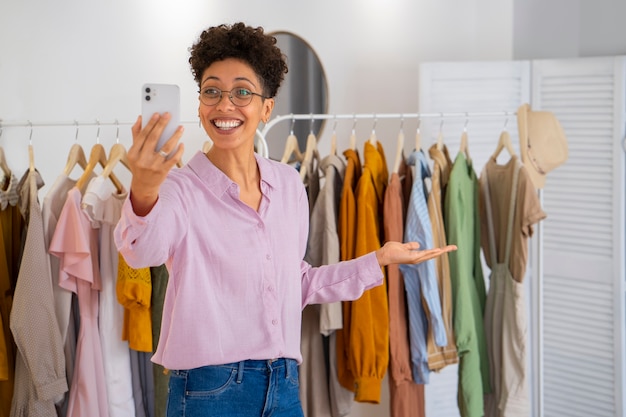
{"x": 239, "y": 96}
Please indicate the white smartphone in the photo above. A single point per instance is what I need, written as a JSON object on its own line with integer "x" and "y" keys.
{"x": 161, "y": 98}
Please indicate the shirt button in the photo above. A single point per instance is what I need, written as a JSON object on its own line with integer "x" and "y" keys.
{"x": 274, "y": 322}
{"x": 260, "y": 225}
{"x": 268, "y": 256}
{"x": 270, "y": 288}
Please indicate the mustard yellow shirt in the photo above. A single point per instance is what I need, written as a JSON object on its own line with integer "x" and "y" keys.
{"x": 369, "y": 331}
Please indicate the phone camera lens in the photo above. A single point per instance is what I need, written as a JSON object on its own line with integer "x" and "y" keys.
{"x": 147, "y": 89}
{"x": 147, "y": 98}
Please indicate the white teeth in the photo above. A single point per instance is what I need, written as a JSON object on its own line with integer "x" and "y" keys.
{"x": 227, "y": 124}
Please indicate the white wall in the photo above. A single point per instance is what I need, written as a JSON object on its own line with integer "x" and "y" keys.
{"x": 85, "y": 60}
{"x": 568, "y": 28}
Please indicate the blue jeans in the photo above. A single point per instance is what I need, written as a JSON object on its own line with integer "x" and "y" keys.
{"x": 257, "y": 388}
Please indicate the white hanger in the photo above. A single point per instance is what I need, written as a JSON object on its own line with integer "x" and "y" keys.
{"x": 399, "y": 148}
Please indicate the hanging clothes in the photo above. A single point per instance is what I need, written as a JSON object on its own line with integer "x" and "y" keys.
{"x": 159, "y": 277}
{"x": 324, "y": 395}
{"x": 422, "y": 288}
{"x": 52, "y": 206}
{"x": 462, "y": 222}
{"x": 134, "y": 291}
{"x": 75, "y": 243}
{"x": 439, "y": 357}
{"x": 12, "y": 228}
{"x": 313, "y": 376}
{"x": 511, "y": 208}
{"x": 369, "y": 315}
{"x": 406, "y": 397}
{"x": 347, "y": 241}
{"x": 103, "y": 206}
{"x": 40, "y": 361}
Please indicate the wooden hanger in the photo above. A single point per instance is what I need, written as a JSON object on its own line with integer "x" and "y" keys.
{"x": 31, "y": 153}
{"x": 76, "y": 156}
{"x": 504, "y": 142}
{"x": 117, "y": 154}
{"x": 440, "y": 136}
{"x": 333, "y": 139}
{"x": 310, "y": 153}
{"x": 291, "y": 147}
{"x": 206, "y": 146}
{"x": 3, "y": 164}
{"x": 3, "y": 161}
{"x": 353, "y": 136}
{"x": 31, "y": 158}
{"x": 399, "y": 150}
{"x": 96, "y": 157}
{"x": 372, "y": 138}
{"x": 333, "y": 144}
{"x": 463, "y": 147}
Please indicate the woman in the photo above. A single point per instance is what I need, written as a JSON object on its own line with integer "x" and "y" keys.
{"x": 232, "y": 228}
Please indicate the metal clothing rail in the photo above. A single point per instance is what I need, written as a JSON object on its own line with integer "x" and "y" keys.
{"x": 356, "y": 116}
{"x": 75, "y": 123}
{"x": 260, "y": 138}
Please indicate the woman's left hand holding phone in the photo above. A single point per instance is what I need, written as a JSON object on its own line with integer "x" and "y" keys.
{"x": 149, "y": 167}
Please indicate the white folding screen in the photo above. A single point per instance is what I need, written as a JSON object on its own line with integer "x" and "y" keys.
{"x": 582, "y": 279}
{"x": 576, "y": 277}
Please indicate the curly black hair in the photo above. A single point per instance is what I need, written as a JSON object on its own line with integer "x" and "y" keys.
{"x": 243, "y": 42}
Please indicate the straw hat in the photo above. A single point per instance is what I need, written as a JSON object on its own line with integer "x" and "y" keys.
{"x": 542, "y": 143}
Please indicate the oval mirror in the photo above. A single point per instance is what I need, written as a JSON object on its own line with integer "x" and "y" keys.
{"x": 304, "y": 91}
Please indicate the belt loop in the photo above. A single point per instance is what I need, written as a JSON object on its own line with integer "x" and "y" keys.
{"x": 240, "y": 372}
{"x": 287, "y": 369}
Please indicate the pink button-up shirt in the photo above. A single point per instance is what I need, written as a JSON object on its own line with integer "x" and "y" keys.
{"x": 238, "y": 282}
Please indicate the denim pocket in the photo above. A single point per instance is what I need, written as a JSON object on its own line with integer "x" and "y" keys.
{"x": 209, "y": 380}
{"x": 292, "y": 372}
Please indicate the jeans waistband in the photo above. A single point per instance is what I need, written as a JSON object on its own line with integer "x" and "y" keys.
{"x": 259, "y": 364}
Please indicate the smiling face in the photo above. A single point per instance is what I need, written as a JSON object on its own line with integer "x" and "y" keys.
{"x": 230, "y": 126}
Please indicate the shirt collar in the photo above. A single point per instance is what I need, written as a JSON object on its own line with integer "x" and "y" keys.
{"x": 219, "y": 182}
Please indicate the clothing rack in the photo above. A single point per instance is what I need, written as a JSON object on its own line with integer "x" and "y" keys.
{"x": 262, "y": 144}
{"x": 75, "y": 123}
{"x": 375, "y": 116}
